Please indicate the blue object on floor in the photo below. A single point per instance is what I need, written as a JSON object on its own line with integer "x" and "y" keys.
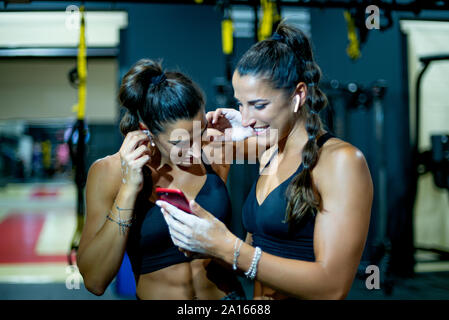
{"x": 125, "y": 282}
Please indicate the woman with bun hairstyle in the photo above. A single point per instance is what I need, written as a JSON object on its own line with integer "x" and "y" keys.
{"x": 308, "y": 221}
{"x": 120, "y": 192}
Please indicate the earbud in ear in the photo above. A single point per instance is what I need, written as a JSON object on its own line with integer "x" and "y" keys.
{"x": 297, "y": 101}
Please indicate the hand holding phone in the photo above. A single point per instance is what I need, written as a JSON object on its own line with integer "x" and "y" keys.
{"x": 175, "y": 197}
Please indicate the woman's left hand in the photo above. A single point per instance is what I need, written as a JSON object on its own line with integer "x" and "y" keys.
{"x": 198, "y": 232}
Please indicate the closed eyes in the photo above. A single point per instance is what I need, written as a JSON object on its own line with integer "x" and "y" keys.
{"x": 258, "y": 104}
{"x": 186, "y": 143}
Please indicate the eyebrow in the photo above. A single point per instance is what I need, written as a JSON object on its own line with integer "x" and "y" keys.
{"x": 202, "y": 131}
{"x": 254, "y": 101}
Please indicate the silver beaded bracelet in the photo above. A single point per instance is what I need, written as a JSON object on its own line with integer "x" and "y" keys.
{"x": 252, "y": 271}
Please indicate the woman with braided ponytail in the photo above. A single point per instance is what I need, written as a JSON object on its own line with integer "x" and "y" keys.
{"x": 308, "y": 219}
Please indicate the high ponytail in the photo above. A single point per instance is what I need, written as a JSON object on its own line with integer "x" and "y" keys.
{"x": 286, "y": 60}
{"x": 156, "y": 97}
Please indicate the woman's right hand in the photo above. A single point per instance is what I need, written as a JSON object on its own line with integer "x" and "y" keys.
{"x": 229, "y": 122}
{"x": 134, "y": 154}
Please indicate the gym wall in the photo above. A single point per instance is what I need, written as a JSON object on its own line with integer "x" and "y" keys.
{"x": 39, "y": 89}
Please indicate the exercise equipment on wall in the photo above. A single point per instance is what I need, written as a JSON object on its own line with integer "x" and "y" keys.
{"x": 222, "y": 85}
{"x": 382, "y": 252}
{"x": 435, "y": 160}
{"x": 440, "y": 160}
{"x": 227, "y": 38}
{"x": 353, "y": 48}
{"x": 359, "y": 25}
{"x": 270, "y": 19}
{"x": 78, "y": 136}
{"x": 343, "y": 98}
{"x": 355, "y": 9}
{"x": 347, "y": 97}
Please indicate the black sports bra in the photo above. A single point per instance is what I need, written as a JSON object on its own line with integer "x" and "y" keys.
{"x": 149, "y": 245}
{"x": 266, "y": 222}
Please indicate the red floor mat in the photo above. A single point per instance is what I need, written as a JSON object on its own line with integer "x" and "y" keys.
{"x": 42, "y": 192}
{"x": 19, "y": 233}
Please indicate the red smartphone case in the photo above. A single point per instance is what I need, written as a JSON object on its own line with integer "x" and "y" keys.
{"x": 175, "y": 197}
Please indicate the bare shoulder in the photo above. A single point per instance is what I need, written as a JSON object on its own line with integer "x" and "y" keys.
{"x": 105, "y": 174}
{"x": 336, "y": 152}
{"x": 109, "y": 164}
{"x": 340, "y": 161}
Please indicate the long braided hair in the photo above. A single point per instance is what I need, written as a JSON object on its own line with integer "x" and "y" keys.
{"x": 286, "y": 60}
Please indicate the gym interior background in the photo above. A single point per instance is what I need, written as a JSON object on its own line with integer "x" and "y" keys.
{"x": 386, "y": 88}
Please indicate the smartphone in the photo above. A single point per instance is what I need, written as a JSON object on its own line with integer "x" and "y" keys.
{"x": 175, "y": 197}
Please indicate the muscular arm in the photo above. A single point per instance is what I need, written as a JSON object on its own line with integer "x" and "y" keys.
{"x": 340, "y": 234}
{"x": 102, "y": 247}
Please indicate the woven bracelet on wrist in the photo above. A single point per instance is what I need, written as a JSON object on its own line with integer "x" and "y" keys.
{"x": 122, "y": 224}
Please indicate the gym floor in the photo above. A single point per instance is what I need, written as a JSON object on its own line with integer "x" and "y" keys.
{"x": 37, "y": 221}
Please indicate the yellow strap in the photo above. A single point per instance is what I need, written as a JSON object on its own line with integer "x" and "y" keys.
{"x": 227, "y": 36}
{"x": 78, "y": 231}
{"x": 270, "y": 16}
{"x": 353, "y": 49}
{"x": 80, "y": 109}
{"x": 266, "y": 25}
{"x": 81, "y": 69}
{"x": 46, "y": 153}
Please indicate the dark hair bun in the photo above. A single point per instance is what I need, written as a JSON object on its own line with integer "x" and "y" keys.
{"x": 135, "y": 83}
{"x": 155, "y": 97}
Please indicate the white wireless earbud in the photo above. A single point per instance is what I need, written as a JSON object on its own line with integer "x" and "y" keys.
{"x": 297, "y": 101}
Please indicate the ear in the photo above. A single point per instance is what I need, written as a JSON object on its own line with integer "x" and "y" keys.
{"x": 142, "y": 126}
{"x": 301, "y": 92}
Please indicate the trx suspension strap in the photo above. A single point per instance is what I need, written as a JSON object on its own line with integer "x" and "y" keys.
{"x": 227, "y": 39}
{"x": 270, "y": 19}
{"x": 353, "y": 49}
{"x": 78, "y": 138}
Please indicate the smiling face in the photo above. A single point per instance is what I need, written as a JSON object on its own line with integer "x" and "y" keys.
{"x": 264, "y": 108}
{"x": 180, "y": 142}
